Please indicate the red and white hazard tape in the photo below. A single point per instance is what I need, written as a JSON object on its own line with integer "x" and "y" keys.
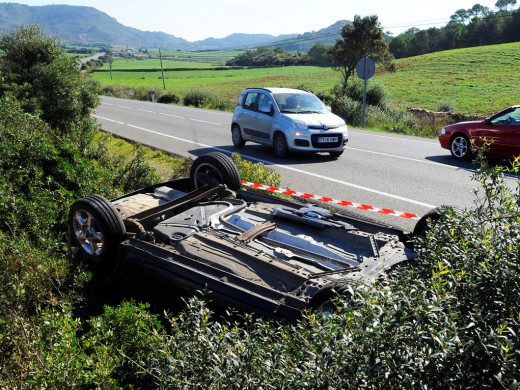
{"x": 319, "y": 198}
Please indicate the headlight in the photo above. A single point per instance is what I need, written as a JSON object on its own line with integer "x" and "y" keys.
{"x": 443, "y": 131}
{"x": 301, "y": 125}
{"x": 343, "y": 124}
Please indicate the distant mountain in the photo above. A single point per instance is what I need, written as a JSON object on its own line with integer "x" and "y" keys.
{"x": 89, "y": 26}
{"x": 84, "y": 25}
{"x": 303, "y": 42}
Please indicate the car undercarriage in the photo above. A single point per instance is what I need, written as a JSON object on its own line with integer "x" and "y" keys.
{"x": 253, "y": 252}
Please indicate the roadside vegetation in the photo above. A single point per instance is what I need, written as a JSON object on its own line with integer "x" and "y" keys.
{"x": 472, "y": 81}
{"x": 450, "y": 319}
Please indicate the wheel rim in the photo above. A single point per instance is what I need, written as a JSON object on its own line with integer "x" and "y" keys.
{"x": 459, "y": 147}
{"x": 279, "y": 145}
{"x": 207, "y": 174}
{"x": 237, "y": 137}
{"x": 88, "y": 233}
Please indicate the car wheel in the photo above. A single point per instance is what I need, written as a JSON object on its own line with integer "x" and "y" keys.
{"x": 460, "y": 147}
{"x": 214, "y": 168}
{"x": 96, "y": 229}
{"x": 324, "y": 299}
{"x": 336, "y": 154}
{"x": 426, "y": 222}
{"x": 280, "y": 145}
{"x": 236, "y": 137}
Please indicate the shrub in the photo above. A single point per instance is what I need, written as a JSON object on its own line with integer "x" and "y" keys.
{"x": 199, "y": 98}
{"x": 121, "y": 91}
{"x": 168, "y": 98}
{"x": 376, "y": 92}
{"x": 377, "y": 95}
{"x": 136, "y": 174}
{"x": 37, "y": 69}
{"x": 350, "y": 110}
{"x": 446, "y": 107}
{"x": 144, "y": 94}
{"x": 256, "y": 172}
{"x": 392, "y": 120}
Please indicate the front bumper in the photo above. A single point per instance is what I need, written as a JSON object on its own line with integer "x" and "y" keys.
{"x": 312, "y": 141}
{"x": 444, "y": 140}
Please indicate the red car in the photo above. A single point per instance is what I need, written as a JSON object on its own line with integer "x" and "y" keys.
{"x": 501, "y": 130}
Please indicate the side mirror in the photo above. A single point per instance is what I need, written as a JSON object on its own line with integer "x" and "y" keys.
{"x": 329, "y": 109}
{"x": 266, "y": 110}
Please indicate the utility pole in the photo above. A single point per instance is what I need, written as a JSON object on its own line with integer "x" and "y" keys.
{"x": 162, "y": 71}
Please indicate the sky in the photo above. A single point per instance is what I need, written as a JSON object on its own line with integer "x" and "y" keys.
{"x": 199, "y": 19}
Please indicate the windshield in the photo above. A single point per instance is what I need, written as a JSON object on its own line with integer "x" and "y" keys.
{"x": 299, "y": 103}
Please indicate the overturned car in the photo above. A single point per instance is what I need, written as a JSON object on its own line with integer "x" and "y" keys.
{"x": 252, "y": 251}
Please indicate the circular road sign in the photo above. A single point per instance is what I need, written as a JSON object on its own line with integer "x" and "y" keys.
{"x": 366, "y": 68}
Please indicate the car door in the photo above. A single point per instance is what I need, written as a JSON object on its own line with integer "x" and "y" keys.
{"x": 248, "y": 113}
{"x": 264, "y": 120}
{"x": 503, "y": 129}
{"x": 257, "y": 119}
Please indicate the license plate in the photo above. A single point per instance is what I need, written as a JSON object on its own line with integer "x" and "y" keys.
{"x": 323, "y": 140}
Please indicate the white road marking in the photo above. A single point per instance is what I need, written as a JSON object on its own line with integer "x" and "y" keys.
{"x": 404, "y": 158}
{"x": 110, "y": 120}
{"x": 211, "y": 123}
{"x": 394, "y": 138}
{"x": 290, "y": 168}
{"x": 171, "y": 115}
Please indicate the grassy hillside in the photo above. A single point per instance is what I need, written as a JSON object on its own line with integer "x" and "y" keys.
{"x": 477, "y": 80}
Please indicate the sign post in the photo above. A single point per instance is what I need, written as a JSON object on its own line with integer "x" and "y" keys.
{"x": 365, "y": 70}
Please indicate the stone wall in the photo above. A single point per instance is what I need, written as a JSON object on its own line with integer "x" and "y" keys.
{"x": 427, "y": 118}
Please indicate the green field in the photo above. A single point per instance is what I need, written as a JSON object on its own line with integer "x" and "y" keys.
{"x": 226, "y": 83}
{"x": 207, "y": 57}
{"x": 477, "y": 80}
{"x": 153, "y": 63}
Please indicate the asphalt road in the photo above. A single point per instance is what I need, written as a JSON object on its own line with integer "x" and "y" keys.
{"x": 402, "y": 173}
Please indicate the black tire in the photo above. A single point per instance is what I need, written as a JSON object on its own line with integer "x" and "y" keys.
{"x": 460, "y": 147}
{"x": 236, "y": 136}
{"x": 96, "y": 229}
{"x": 324, "y": 299}
{"x": 336, "y": 154}
{"x": 280, "y": 145}
{"x": 426, "y": 222}
{"x": 214, "y": 168}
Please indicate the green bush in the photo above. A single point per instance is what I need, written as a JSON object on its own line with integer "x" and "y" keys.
{"x": 168, "y": 97}
{"x": 446, "y": 107}
{"x": 350, "y": 110}
{"x": 205, "y": 99}
{"x": 256, "y": 172}
{"x": 120, "y": 91}
{"x": 37, "y": 70}
{"x": 197, "y": 98}
{"x": 392, "y": 120}
{"x": 376, "y": 92}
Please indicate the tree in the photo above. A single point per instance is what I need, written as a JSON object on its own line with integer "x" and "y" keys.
{"x": 503, "y": 5}
{"x": 460, "y": 16}
{"x": 318, "y": 55}
{"x": 38, "y": 72}
{"x": 479, "y": 10}
{"x": 363, "y": 38}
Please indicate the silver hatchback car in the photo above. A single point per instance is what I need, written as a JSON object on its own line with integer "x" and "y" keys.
{"x": 288, "y": 120}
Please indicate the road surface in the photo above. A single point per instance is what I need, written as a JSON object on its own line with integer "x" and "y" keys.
{"x": 402, "y": 173}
